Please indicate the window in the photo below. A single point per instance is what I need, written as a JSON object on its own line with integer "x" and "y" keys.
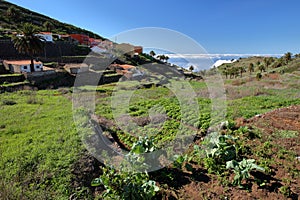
{"x": 24, "y": 67}
{"x": 37, "y": 66}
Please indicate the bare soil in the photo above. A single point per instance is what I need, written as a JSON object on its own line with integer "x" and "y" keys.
{"x": 285, "y": 171}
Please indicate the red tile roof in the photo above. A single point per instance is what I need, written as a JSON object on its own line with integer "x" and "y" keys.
{"x": 21, "y": 62}
{"x": 46, "y": 33}
{"x": 125, "y": 67}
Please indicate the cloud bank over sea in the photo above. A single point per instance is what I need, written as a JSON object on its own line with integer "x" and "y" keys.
{"x": 205, "y": 61}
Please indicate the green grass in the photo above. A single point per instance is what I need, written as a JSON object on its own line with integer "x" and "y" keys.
{"x": 14, "y": 84}
{"x": 38, "y": 145}
{"x": 9, "y": 75}
{"x": 248, "y": 107}
{"x": 39, "y": 142}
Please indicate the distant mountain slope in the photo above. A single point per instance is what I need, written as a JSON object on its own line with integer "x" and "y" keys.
{"x": 13, "y": 16}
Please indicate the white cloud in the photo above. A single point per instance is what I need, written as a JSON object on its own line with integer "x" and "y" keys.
{"x": 214, "y": 56}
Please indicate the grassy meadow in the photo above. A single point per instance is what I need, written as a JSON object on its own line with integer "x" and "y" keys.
{"x": 39, "y": 143}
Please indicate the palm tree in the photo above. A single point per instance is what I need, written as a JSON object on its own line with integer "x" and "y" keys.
{"x": 225, "y": 71}
{"x": 166, "y": 58}
{"x": 261, "y": 68}
{"x": 191, "y": 68}
{"x": 251, "y": 68}
{"x": 28, "y": 42}
{"x": 268, "y": 61}
{"x": 242, "y": 70}
{"x": 161, "y": 57}
{"x": 152, "y": 53}
{"x": 297, "y": 55}
{"x": 258, "y": 63}
{"x": 287, "y": 57}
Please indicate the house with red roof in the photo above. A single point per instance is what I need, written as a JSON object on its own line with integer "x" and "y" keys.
{"x": 47, "y": 36}
{"x": 129, "y": 71}
{"x": 22, "y": 66}
{"x": 82, "y": 39}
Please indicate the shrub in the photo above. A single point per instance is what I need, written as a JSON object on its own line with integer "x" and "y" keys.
{"x": 9, "y": 102}
{"x": 258, "y": 76}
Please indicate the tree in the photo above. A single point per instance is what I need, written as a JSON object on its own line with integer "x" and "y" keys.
{"x": 161, "y": 57}
{"x": 166, "y": 58}
{"x": 268, "y": 61}
{"x": 13, "y": 13}
{"x": 28, "y": 42}
{"x": 251, "y": 68}
{"x": 297, "y": 55}
{"x": 233, "y": 72}
{"x": 257, "y": 63}
{"x": 242, "y": 70}
{"x": 261, "y": 68}
{"x": 48, "y": 26}
{"x": 225, "y": 71}
{"x": 287, "y": 57}
{"x": 152, "y": 53}
{"x": 191, "y": 68}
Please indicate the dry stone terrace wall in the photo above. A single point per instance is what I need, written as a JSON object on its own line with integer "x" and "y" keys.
{"x": 51, "y": 50}
{"x": 11, "y": 79}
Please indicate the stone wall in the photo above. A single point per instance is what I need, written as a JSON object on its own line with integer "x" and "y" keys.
{"x": 51, "y": 50}
{"x": 11, "y": 79}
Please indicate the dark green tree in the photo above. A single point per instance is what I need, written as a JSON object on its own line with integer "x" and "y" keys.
{"x": 152, "y": 53}
{"x": 13, "y": 13}
{"x": 28, "y": 42}
{"x": 191, "y": 68}
{"x": 261, "y": 68}
{"x": 166, "y": 58}
{"x": 287, "y": 57}
{"x": 251, "y": 68}
{"x": 242, "y": 70}
{"x": 48, "y": 26}
{"x": 268, "y": 61}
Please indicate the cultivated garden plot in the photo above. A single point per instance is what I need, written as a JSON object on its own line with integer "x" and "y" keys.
{"x": 253, "y": 155}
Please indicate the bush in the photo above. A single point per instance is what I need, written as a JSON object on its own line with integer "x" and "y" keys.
{"x": 9, "y": 102}
{"x": 258, "y": 76}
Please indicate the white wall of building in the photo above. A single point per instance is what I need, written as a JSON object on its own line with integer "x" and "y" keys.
{"x": 24, "y": 68}
{"x": 46, "y": 37}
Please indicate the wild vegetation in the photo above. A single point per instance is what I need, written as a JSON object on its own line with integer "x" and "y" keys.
{"x": 40, "y": 145}
{"x": 12, "y": 17}
{"x": 252, "y": 153}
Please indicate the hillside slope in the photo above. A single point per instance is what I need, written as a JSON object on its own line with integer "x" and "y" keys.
{"x": 13, "y": 16}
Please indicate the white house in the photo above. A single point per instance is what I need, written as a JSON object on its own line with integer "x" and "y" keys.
{"x": 22, "y": 66}
{"x": 98, "y": 49}
{"x": 47, "y": 36}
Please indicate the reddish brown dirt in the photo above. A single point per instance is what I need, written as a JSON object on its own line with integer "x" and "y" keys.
{"x": 201, "y": 185}
{"x": 284, "y": 119}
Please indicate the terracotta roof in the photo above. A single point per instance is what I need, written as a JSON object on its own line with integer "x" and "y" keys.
{"x": 46, "y": 33}
{"x": 125, "y": 67}
{"x": 21, "y": 62}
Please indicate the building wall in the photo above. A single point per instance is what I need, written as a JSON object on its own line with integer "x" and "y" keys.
{"x": 51, "y": 50}
{"x": 46, "y": 37}
{"x": 82, "y": 39}
{"x": 22, "y": 68}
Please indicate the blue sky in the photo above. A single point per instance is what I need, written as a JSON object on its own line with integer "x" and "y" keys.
{"x": 220, "y": 26}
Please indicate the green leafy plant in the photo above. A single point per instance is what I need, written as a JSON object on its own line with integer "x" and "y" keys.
{"x": 285, "y": 190}
{"x": 129, "y": 183}
{"x": 183, "y": 162}
{"x": 126, "y": 185}
{"x": 242, "y": 169}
